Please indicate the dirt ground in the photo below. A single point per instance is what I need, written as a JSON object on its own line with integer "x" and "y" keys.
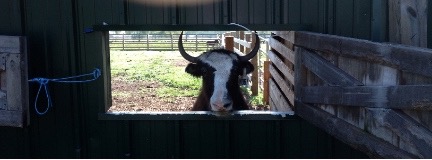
{"x": 148, "y": 101}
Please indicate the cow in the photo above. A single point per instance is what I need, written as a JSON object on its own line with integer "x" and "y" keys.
{"x": 220, "y": 70}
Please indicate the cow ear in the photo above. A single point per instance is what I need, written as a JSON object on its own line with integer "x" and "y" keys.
{"x": 248, "y": 66}
{"x": 194, "y": 69}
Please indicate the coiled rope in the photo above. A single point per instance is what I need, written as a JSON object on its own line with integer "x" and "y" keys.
{"x": 43, "y": 84}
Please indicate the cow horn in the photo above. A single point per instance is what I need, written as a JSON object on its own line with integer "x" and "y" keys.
{"x": 183, "y": 52}
{"x": 254, "y": 51}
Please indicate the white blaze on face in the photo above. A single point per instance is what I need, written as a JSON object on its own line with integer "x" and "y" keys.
{"x": 223, "y": 64}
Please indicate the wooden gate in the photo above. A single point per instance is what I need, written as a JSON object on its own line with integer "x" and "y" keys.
{"x": 377, "y": 97}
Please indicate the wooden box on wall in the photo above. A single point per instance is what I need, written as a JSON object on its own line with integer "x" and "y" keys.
{"x": 13, "y": 81}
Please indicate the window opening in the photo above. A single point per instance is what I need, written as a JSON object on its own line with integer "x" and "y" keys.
{"x": 148, "y": 72}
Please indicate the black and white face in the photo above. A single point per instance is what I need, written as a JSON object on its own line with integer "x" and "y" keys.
{"x": 220, "y": 71}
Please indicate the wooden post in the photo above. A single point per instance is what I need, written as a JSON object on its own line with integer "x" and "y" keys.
{"x": 254, "y": 61}
{"x": 229, "y": 43}
{"x": 300, "y": 74}
{"x": 123, "y": 43}
{"x": 241, "y": 36}
{"x": 148, "y": 45}
{"x": 172, "y": 42}
{"x": 408, "y": 22}
{"x": 266, "y": 82}
{"x": 196, "y": 43}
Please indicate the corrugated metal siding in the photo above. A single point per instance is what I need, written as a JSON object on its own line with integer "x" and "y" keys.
{"x": 11, "y": 18}
{"x": 51, "y": 39}
{"x": 58, "y": 47}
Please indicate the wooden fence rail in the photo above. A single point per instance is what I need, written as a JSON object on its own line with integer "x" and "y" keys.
{"x": 377, "y": 97}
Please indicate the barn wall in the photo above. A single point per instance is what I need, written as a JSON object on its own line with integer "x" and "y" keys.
{"x": 71, "y": 129}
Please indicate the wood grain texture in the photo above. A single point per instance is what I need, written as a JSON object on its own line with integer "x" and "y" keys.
{"x": 279, "y": 100}
{"x": 408, "y": 22}
{"x": 416, "y": 138}
{"x": 286, "y": 71}
{"x": 285, "y": 87}
{"x": 395, "y": 97}
{"x": 326, "y": 70}
{"x": 410, "y": 59}
{"x": 282, "y": 49}
{"x": 14, "y": 84}
{"x": 10, "y": 44}
{"x": 266, "y": 82}
{"x": 355, "y": 137}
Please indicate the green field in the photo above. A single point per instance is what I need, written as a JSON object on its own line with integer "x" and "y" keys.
{"x": 164, "y": 67}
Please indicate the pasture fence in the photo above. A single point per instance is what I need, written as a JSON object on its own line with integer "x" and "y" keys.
{"x": 162, "y": 42}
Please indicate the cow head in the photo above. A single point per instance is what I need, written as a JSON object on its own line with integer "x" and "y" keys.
{"x": 219, "y": 70}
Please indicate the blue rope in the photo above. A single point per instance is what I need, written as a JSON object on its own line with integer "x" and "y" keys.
{"x": 43, "y": 83}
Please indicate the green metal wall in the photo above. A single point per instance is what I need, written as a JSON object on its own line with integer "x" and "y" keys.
{"x": 58, "y": 47}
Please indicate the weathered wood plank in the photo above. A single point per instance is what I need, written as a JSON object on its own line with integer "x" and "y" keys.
{"x": 3, "y": 101}
{"x": 266, "y": 82}
{"x": 355, "y": 68}
{"x": 412, "y": 133}
{"x": 288, "y": 73}
{"x": 286, "y": 35}
{"x": 325, "y": 70}
{"x": 280, "y": 103}
{"x": 373, "y": 128}
{"x": 410, "y": 59}
{"x": 3, "y": 61}
{"x": 355, "y": 137}
{"x": 286, "y": 89}
{"x": 300, "y": 73}
{"x": 11, "y": 118}
{"x": 408, "y": 22}
{"x": 254, "y": 61}
{"x": 394, "y": 97}
{"x": 422, "y": 116}
{"x": 13, "y": 82}
{"x": 282, "y": 49}
{"x": 10, "y": 44}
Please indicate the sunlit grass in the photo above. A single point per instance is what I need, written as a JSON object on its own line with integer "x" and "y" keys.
{"x": 155, "y": 66}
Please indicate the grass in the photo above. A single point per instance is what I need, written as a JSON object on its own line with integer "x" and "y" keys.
{"x": 155, "y": 67}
